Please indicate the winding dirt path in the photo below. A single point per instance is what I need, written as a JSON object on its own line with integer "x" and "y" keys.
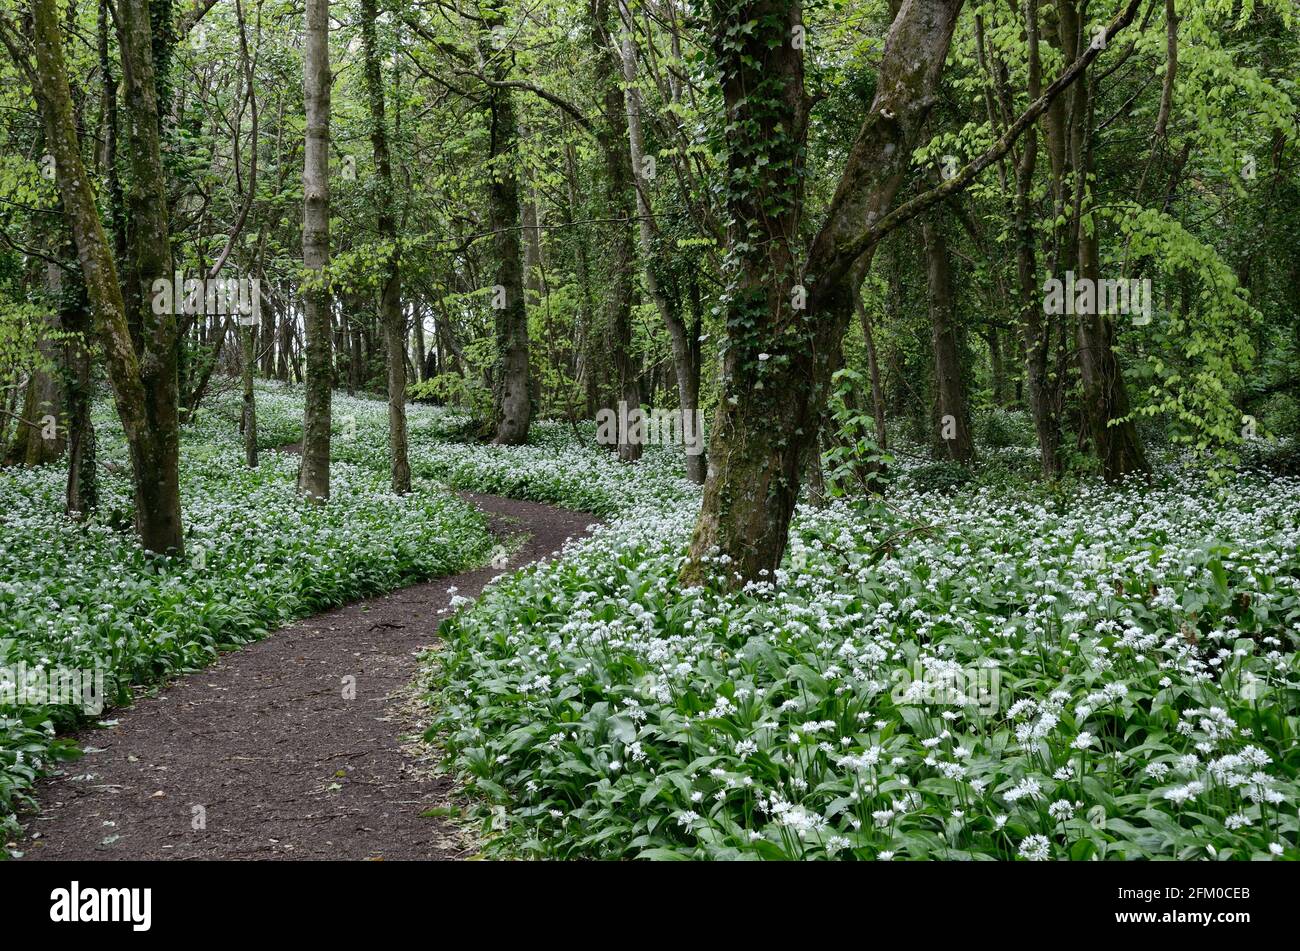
{"x": 261, "y": 755}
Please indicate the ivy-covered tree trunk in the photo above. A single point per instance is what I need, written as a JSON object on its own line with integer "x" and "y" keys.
{"x": 314, "y": 477}
{"x": 784, "y": 323}
{"x": 511, "y": 386}
{"x": 390, "y": 304}
{"x": 952, "y": 409}
{"x": 763, "y": 428}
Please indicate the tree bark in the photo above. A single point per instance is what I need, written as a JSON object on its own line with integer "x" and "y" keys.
{"x": 510, "y": 379}
{"x": 144, "y": 386}
{"x": 82, "y": 495}
{"x": 248, "y": 414}
{"x": 619, "y": 204}
{"x": 587, "y": 353}
{"x": 660, "y": 285}
{"x": 158, "y": 509}
{"x": 390, "y": 304}
{"x": 421, "y": 347}
{"x": 873, "y": 371}
{"x": 1034, "y": 332}
{"x": 1106, "y": 409}
{"x": 314, "y": 476}
{"x": 779, "y": 356}
{"x": 952, "y": 435}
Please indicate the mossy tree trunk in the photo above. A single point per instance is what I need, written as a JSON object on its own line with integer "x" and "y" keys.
{"x": 314, "y": 477}
{"x": 390, "y": 305}
{"x": 144, "y": 383}
{"x": 620, "y": 253}
{"x": 784, "y": 322}
{"x": 511, "y": 385}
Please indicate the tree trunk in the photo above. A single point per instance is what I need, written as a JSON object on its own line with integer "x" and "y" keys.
{"x": 997, "y": 365}
{"x": 144, "y": 387}
{"x": 390, "y": 305}
{"x": 619, "y": 202}
{"x": 1035, "y": 333}
{"x": 314, "y": 477}
{"x": 784, "y": 329}
{"x": 587, "y": 352}
{"x": 1106, "y": 407}
{"x": 510, "y": 378}
{"x": 158, "y": 510}
{"x": 421, "y": 348}
{"x": 82, "y": 496}
{"x": 952, "y": 437}
{"x": 266, "y": 337}
{"x": 248, "y": 415}
{"x": 662, "y": 289}
{"x": 873, "y": 367}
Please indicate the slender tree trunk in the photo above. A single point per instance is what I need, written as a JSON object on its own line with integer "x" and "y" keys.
{"x": 997, "y": 365}
{"x": 619, "y": 202}
{"x": 662, "y": 289}
{"x": 314, "y": 477}
{"x": 116, "y": 202}
{"x": 873, "y": 368}
{"x": 390, "y": 305}
{"x": 266, "y": 338}
{"x": 587, "y": 355}
{"x": 82, "y": 496}
{"x": 421, "y": 347}
{"x": 1035, "y": 334}
{"x": 953, "y": 435}
{"x": 356, "y": 357}
{"x": 1107, "y": 413}
{"x": 248, "y": 416}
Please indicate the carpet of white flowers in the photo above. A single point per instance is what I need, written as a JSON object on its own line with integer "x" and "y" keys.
{"x": 1124, "y": 659}
{"x": 1140, "y": 642}
{"x": 87, "y": 596}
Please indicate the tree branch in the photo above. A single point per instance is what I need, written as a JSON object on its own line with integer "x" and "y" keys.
{"x": 967, "y": 174}
{"x": 550, "y": 97}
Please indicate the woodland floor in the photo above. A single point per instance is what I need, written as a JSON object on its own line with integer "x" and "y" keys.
{"x": 283, "y": 766}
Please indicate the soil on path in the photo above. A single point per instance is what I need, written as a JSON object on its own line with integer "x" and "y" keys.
{"x": 261, "y": 756}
